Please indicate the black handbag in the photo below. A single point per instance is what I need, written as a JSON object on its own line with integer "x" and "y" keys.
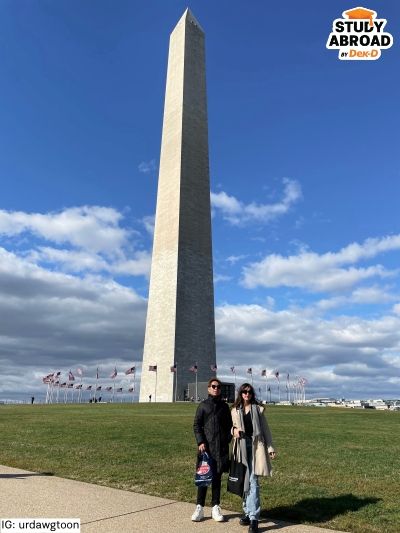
{"x": 236, "y": 476}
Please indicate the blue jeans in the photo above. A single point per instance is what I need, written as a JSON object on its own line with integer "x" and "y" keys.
{"x": 251, "y": 500}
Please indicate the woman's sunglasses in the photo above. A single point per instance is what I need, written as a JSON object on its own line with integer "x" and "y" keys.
{"x": 215, "y": 386}
{"x": 247, "y": 391}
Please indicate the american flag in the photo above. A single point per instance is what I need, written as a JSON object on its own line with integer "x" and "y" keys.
{"x": 114, "y": 374}
{"x": 47, "y": 379}
{"x": 97, "y": 373}
{"x": 71, "y": 377}
{"x": 249, "y": 370}
{"x": 131, "y": 389}
{"x": 264, "y": 373}
{"x": 213, "y": 368}
{"x": 131, "y": 370}
{"x": 153, "y": 368}
{"x": 233, "y": 369}
{"x": 108, "y": 389}
{"x": 98, "y": 388}
{"x": 78, "y": 386}
{"x": 193, "y": 369}
{"x": 89, "y": 387}
{"x": 57, "y": 374}
{"x": 63, "y": 384}
{"x": 79, "y": 371}
{"x": 119, "y": 389}
{"x": 173, "y": 368}
{"x": 277, "y": 375}
{"x": 70, "y": 385}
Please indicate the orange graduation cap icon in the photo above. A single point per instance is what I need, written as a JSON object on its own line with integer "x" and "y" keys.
{"x": 361, "y": 13}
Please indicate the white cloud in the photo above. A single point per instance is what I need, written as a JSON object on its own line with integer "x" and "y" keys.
{"x": 79, "y": 261}
{"x": 238, "y": 213}
{"x": 51, "y": 320}
{"x": 93, "y": 228}
{"x": 147, "y": 166}
{"x": 326, "y": 272}
{"x": 60, "y": 305}
{"x": 58, "y": 311}
{"x": 396, "y": 309}
{"x": 148, "y": 222}
{"x": 360, "y": 296}
{"x": 372, "y": 295}
{"x": 335, "y": 355}
{"x": 89, "y": 239}
{"x": 221, "y": 277}
{"x": 233, "y": 259}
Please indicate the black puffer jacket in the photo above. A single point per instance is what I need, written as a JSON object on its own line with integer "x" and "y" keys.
{"x": 212, "y": 426}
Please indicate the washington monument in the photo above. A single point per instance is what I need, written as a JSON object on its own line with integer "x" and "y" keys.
{"x": 180, "y": 326}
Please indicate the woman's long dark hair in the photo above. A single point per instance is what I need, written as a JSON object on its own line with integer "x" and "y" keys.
{"x": 239, "y": 398}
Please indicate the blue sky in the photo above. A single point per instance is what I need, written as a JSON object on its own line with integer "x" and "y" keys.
{"x": 304, "y": 186}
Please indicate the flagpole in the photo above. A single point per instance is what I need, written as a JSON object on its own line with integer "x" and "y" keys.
{"x": 196, "y": 384}
{"x": 155, "y": 391}
{"x": 80, "y": 392}
{"x": 47, "y": 393}
{"x": 266, "y": 391}
{"x": 95, "y": 388}
{"x": 176, "y": 380}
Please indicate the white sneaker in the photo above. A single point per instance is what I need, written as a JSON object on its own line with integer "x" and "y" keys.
{"x": 216, "y": 514}
{"x": 198, "y": 514}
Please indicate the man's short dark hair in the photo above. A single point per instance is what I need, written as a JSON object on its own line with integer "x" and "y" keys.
{"x": 212, "y": 381}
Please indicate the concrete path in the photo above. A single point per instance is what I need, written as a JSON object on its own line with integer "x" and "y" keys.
{"x": 104, "y": 510}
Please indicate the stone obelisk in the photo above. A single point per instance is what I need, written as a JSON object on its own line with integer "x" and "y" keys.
{"x": 180, "y": 326}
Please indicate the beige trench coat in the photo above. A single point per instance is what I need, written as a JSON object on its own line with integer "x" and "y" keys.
{"x": 262, "y": 446}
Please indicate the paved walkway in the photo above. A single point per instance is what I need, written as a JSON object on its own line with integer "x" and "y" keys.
{"x": 104, "y": 510}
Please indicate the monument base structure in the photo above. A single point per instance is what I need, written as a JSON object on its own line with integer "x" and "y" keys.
{"x": 180, "y": 326}
{"x": 227, "y": 391}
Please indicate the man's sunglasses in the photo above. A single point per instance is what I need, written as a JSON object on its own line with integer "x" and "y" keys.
{"x": 215, "y": 386}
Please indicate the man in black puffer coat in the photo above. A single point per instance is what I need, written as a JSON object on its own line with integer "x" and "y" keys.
{"x": 212, "y": 429}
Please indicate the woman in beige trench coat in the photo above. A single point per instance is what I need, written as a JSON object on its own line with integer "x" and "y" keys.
{"x": 253, "y": 447}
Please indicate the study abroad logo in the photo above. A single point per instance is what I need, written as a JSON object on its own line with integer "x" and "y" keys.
{"x": 359, "y": 35}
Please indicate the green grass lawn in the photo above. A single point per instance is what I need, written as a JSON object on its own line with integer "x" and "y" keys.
{"x": 336, "y": 468}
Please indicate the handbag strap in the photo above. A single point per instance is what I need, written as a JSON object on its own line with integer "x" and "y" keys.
{"x": 235, "y": 449}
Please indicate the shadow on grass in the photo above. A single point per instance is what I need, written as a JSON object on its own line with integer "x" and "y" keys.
{"x": 319, "y": 509}
{"x": 23, "y": 476}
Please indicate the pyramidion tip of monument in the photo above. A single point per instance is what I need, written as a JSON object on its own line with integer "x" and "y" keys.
{"x": 189, "y": 17}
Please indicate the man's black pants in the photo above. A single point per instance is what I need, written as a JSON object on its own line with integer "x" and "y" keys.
{"x": 215, "y": 492}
